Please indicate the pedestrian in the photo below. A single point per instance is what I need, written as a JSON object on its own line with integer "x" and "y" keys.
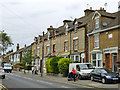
{"x": 32, "y": 70}
{"x": 36, "y": 71}
{"x": 37, "y": 68}
{"x": 77, "y": 74}
{"x": 74, "y": 73}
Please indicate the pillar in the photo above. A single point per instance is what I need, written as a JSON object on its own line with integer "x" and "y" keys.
{"x": 111, "y": 67}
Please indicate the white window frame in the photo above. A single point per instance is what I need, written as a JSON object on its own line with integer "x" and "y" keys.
{"x": 76, "y": 44}
{"x": 38, "y": 51}
{"x": 97, "y": 59}
{"x": 66, "y": 46}
{"x": 74, "y": 57}
{"x": 48, "y": 49}
{"x": 97, "y": 22}
{"x": 76, "y": 27}
{"x": 66, "y": 29}
{"x": 96, "y": 41}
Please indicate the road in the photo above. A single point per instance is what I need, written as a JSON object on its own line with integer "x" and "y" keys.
{"x": 16, "y": 81}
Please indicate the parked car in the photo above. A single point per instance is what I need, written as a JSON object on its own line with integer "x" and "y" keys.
{"x": 2, "y": 74}
{"x": 84, "y": 70}
{"x": 104, "y": 75}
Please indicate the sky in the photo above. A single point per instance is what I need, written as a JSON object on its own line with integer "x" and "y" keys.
{"x": 22, "y": 20}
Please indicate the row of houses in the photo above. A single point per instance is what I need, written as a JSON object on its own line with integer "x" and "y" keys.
{"x": 93, "y": 38}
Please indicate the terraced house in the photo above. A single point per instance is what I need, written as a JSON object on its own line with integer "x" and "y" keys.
{"x": 93, "y": 38}
{"x": 104, "y": 39}
{"x": 68, "y": 40}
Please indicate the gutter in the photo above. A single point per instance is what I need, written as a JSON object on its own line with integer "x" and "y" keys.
{"x": 117, "y": 26}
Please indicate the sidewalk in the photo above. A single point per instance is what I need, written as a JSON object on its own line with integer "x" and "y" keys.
{"x": 84, "y": 83}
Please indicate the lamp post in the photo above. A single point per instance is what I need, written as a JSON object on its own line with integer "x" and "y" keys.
{"x": 42, "y": 56}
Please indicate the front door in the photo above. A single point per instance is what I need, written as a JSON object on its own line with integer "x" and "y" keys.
{"x": 107, "y": 61}
{"x": 114, "y": 63}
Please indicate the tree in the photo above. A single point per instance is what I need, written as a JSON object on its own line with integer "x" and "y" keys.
{"x": 27, "y": 57}
{"x": 5, "y": 42}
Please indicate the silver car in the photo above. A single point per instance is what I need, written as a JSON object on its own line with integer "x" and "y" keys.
{"x": 2, "y": 74}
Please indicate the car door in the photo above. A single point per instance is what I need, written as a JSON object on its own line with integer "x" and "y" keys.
{"x": 94, "y": 74}
{"x": 98, "y": 75}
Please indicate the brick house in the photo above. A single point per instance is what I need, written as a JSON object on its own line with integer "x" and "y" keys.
{"x": 104, "y": 43}
{"x": 69, "y": 40}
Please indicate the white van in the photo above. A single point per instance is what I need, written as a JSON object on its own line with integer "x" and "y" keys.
{"x": 84, "y": 69}
{"x": 7, "y": 67}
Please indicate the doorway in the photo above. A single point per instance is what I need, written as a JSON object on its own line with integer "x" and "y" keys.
{"x": 114, "y": 62}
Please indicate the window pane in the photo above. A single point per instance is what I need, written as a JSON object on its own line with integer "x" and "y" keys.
{"x": 99, "y": 63}
{"x": 94, "y": 63}
{"x": 72, "y": 58}
{"x": 93, "y": 56}
{"x": 77, "y": 58}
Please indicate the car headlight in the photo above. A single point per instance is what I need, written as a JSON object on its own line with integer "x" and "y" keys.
{"x": 108, "y": 77}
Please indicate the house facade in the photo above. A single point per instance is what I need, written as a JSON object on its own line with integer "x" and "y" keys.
{"x": 104, "y": 43}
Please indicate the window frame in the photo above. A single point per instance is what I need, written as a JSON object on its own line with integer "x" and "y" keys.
{"x": 97, "y": 20}
{"x": 96, "y": 41}
{"x": 97, "y": 59}
{"x": 66, "y": 46}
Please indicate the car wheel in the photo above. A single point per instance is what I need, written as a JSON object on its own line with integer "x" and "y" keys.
{"x": 92, "y": 79}
{"x": 80, "y": 77}
{"x": 3, "y": 77}
{"x": 104, "y": 80}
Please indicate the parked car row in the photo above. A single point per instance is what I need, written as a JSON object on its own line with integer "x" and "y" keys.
{"x": 86, "y": 71}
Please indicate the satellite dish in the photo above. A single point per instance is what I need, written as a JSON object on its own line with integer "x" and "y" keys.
{"x": 104, "y": 24}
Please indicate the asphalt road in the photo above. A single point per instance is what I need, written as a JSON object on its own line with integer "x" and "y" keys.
{"x": 14, "y": 81}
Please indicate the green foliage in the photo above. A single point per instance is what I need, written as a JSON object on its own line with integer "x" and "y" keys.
{"x": 6, "y": 41}
{"x": 21, "y": 64}
{"x": 27, "y": 57}
{"x": 28, "y": 67}
{"x": 48, "y": 66}
{"x": 54, "y": 64}
{"x": 63, "y": 64}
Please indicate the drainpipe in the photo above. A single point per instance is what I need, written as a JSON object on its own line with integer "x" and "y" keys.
{"x": 88, "y": 48}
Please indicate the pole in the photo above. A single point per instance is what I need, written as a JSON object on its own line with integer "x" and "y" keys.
{"x": 2, "y": 46}
{"x": 42, "y": 56}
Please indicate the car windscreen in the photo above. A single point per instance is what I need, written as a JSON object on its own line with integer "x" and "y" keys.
{"x": 7, "y": 65}
{"x": 83, "y": 66}
{"x": 106, "y": 70}
{"x": 89, "y": 66}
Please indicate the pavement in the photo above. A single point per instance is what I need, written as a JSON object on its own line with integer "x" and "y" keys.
{"x": 84, "y": 83}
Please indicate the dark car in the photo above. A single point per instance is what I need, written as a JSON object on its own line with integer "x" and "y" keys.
{"x": 105, "y": 75}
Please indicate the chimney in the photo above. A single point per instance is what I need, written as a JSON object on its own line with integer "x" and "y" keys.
{"x": 17, "y": 46}
{"x": 88, "y": 11}
{"x": 25, "y": 45}
{"x": 66, "y": 21}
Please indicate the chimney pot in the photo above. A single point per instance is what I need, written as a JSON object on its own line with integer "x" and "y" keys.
{"x": 90, "y": 8}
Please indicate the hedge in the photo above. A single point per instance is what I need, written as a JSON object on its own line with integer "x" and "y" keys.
{"x": 63, "y": 64}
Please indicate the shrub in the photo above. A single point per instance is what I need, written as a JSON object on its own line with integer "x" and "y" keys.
{"x": 54, "y": 64}
{"x": 28, "y": 67}
{"x": 63, "y": 64}
{"x": 47, "y": 65}
{"x": 21, "y": 64}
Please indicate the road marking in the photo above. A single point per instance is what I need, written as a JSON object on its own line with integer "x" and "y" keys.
{"x": 3, "y": 87}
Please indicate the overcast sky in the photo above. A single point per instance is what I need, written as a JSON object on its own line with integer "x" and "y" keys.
{"x": 25, "y": 19}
